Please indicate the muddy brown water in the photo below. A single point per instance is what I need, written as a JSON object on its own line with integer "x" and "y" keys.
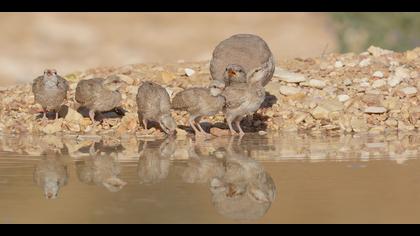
{"x": 277, "y": 178}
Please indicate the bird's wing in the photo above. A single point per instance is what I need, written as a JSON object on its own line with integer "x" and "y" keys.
{"x": 62, "y": 83}
{"x": 187, "y": 99}
{"x": 37, "y": 84}
{"x": 235, "y": 95}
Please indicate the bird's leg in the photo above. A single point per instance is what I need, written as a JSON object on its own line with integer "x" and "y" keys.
{"x": 238, "y": 124}
{"x": 197, "y": 121}
{"x": 44, "y": 113}
{"x": 232, "y": 131}
{"x": 56, "y": 115}
{"x": 145, "y": 124}
{"x": 193, "y": 126}
{"x": 92, "y": 116}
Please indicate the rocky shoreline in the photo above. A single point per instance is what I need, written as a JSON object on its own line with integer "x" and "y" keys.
{"x": 375, "y": 91}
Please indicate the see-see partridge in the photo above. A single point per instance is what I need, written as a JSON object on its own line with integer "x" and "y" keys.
{"x": 244, "y": 51}
{"x": 50, "y": 91}
{"x": 99, "y": 95}
{"x": 153, "y": 103}
{"x": 199, "y": 102}
{"x": 244, "y": 98}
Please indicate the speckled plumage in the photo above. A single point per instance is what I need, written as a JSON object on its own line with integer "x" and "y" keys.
{"x": 198, "y": 102}
{"x": 244, "y": 98}
{"x": 50, "y": 91}
{"x": 153, "y": 103}
{"x": 247, "y": 50}
{"x": 93, "y": 95}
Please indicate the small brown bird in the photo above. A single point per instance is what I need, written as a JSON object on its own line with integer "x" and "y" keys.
{"x": 99, "y": 95}
{"x": 199, "y": 102}
{"x": 50, "y": 91}
{"x": 153, "y": 103}
{"x": 244, "y": 98}
{"x": 247, "y": 50}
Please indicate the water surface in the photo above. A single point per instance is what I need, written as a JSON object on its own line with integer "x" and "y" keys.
{"x": 277, "y": 178}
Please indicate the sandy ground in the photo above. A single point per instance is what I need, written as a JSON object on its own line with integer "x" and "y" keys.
{"x": 78, "y": 41}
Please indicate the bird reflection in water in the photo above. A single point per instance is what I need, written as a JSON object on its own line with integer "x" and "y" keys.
{"x": 51, "y": 174}
{"x": 154, "y": 160}
{"x": 100, "y": 170}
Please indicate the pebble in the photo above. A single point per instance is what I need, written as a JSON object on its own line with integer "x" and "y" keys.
{"x": 189, "y": 72}
{"x": 343, "y": 97}
{"x": 338, "y": 64}
{"x": 219, "y": 132}
{"x": 379, "y": 83}
{"x": 288, "y": 76}
{"x": 394, "y": 81}
{"x": 315, "y": 83}
{"x": 378, "y": 74}
{"x": 364, "y": 62}
{"x": 375, "y": 110}
{"x": 289, "y": 90}
{"x": 409, "y": 91}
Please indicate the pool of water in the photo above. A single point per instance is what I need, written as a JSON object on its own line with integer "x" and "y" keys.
{"x": 276, "y": 178}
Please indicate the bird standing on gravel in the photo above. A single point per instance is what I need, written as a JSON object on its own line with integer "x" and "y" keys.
{"x": 99, "y": 95}
{"x": 153, "y": 103}
{"x": 50, "y": 90}
{"x": 199, "y": 102}
{"x": 244, "y": 52}
{"x": 244, "y": 98}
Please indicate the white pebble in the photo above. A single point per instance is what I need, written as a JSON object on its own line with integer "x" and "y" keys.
{"x": 338, "y": 64}
{"x": 343, "y": 97}
{"x": 189, "y": 72}
{"x": 379, "y": 83}
{"x": 364, "y": 62}
{"x": 289, "y": 90}
{"x": 409, "y": 91}
{"x": 394, "y": 81}
{"x": 375, "y": 110}
{"x": 378, "y": 74}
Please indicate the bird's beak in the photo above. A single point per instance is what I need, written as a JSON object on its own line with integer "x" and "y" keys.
{"x": 231, "y": 73}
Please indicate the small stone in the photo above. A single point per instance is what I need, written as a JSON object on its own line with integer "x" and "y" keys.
{"x": 315, "y": 83}
{"x": 288, "y": 76}
{"x": 378, "y": 74}
{"x": 73, "y": 116}
{"x": 391, "y": 122}
{"x": 320, "y": 113}
{"x": 343, "y": 97}
{"x": 375, "y": 110}
{"x": 338, "y": 64}
{"x": 189, "y": 72}
{"x": 364, "y": 62}
{"x": 394, "y": 81}
{"x": 358, "y": 125}
{"x": 379, "y": 83}
{"x": 377, "y": 51}
{"x": 167, "y": 77}
{"x": 404, "y": 127}
{"x": 73, "y": 127}
{"x": 409, "y": 91}
{"x": 126, "y": 78}
{"x": 262, "y": 132}
{"x": 219, "y": 132}
{"x": 347, "y": 82}
{"x": 52, "y": 128}
{"x": 402, "y": 72}
{"x": 411, "y": 55}
{"x": 289, "y": 90}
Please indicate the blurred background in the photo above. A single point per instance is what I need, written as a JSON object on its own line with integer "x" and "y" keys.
{"x": 71, "y": 42}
